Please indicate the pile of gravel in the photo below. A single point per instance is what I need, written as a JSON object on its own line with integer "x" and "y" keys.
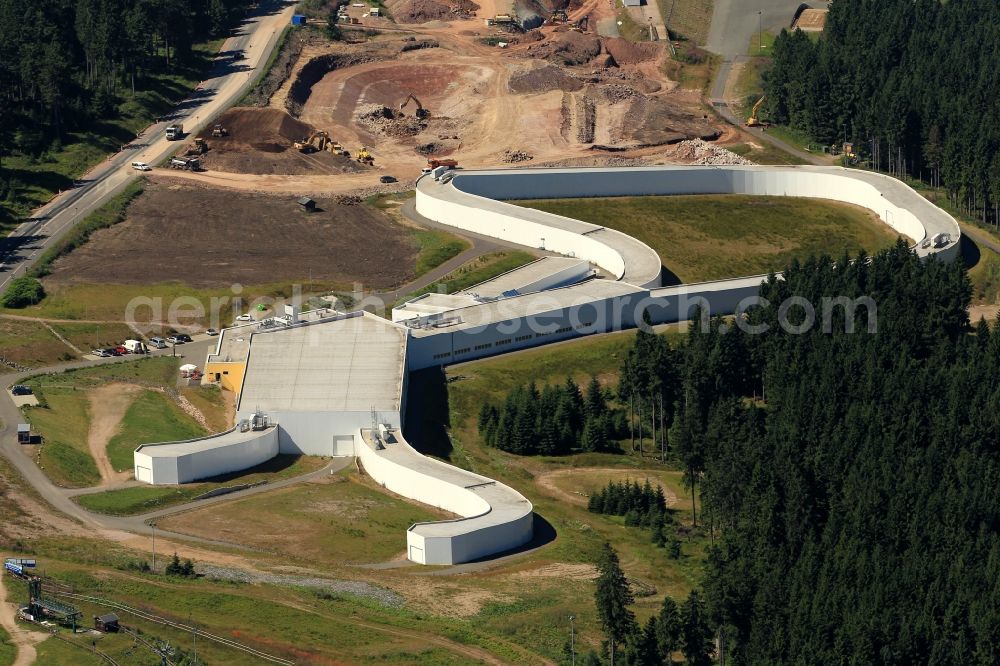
{"x": 352, "y": 587}
{"x": 515, "y": 156}
{"x": 696, "y": 151}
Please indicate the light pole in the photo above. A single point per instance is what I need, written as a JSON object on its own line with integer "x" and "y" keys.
{"x": 760, "y": 32}
{"x": 572, "y": 639}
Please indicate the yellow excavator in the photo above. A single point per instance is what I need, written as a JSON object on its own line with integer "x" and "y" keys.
{"x": 365, "y": 157}
{"x": 753, "y": 121}
{"x": 421, "y": 111}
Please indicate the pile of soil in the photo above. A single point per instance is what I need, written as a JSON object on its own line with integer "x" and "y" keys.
{"x": 418, "y": 11}
{"x": 260, "y": 141}
{"x": 615, "y": 93}
{"x": 568, "y": 48}
{"x": 515, "y": 156}
{"x": 625, "y": 52}
{"x": 379, "y": 119}
{"x": 531, "y": 36}
{"x": 543, "y": 79}
{"x": 656, "y": 121}
{"x": 217, "y": 240}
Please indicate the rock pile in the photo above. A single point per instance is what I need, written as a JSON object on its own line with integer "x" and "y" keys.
{"x": 696, "y": 151}
{"x": 515, "y": 156}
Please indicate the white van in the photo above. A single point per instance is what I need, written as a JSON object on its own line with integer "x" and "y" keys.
{"x": 141, "y": 166}
{"x": 158, "y": 343}
{"x": 135, "y": 347}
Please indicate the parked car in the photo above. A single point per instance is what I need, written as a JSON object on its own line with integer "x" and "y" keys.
{"x": 135, "y": 347}
{"x": 141, "y": 166}
{"x": 184, "y": 337}
{"x": 175, "y": 340}
{"x": 245, "y": 317}
{"x": 102, "y": 353}
{"x": 211, "y": 331}
{"x": 158, "y": 343}
{"x": 20, "y": 389}
{"x": 113, "y": 351}
{"x": 387, "y": 179}
{"x": 120, "y": 350}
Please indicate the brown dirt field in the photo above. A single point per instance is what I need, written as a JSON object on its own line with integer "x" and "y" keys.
{"x": 812, "y": 20}
{"x": 207, "y": 238}
{"x": 108, "y": 405}
{"x": 260, "y": 142}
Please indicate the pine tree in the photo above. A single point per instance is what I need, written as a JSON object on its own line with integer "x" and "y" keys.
{"x": 668, "y": 629}
{"x": 612, "y": 598}
{"x": 696, "y": 635}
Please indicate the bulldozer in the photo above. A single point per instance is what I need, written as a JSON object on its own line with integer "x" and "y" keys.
{"x": 219, "y": 131}
{"x": 199, "y": 147}
{"x": 421, "y": 111}
{"x": 753, "y": 121}
{"x": 364, "y": 157}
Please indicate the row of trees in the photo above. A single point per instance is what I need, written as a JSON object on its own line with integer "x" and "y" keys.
{"x": 913, "y": 83}
{"x": 686, "y": 628}
{"x": 63, "y": 63}
{"x": 642, "y": 506}
{"x": 552, "y": 421}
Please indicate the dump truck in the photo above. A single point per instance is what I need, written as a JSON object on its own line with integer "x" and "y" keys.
{"x": 447, "y": 163}
{"x": 175, "y": 132}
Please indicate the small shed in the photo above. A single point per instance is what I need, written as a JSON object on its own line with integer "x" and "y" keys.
{"x": 24, "y": 433}
{"x": 308, "y": 205}
{"x": 298, "y": 19}
{"x": 107, "y": 623}
{"x": 632, "y": 3}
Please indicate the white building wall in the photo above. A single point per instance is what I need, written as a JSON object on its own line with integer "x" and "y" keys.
{"x": 317, "y": 433}
{"x": 205, "y": 461}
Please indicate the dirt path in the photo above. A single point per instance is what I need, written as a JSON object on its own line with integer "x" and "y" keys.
{"x": 546, "y": 482}
{"x": 23, "y": 639}
{"x": 108, "y": 405}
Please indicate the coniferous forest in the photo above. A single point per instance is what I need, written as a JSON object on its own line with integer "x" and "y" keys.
{"x": 848, "y": 472}
{"x": 65, "y": 63}
{"x": 915, "y": 84}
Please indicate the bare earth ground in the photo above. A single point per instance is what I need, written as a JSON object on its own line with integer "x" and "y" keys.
{"x": 208, "y": 238}
{"x": 24, "y": 640}
{"x": 547, "y": 481}
{"x": 108, "y": 404}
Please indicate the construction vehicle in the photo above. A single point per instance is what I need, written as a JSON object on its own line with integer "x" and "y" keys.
{"x": 421, "y": 111}
{"x": 186, "y": 163}
{"x": 447, "y": 163}
{"x": 175, "y": 132}
{"x": 364, "y": 157}
{"x": 199, "y": 147}
{"x": 219, "y": 130}
{"x": 581, "y": 24}
{"x": 315, "y": 142}
{"x": 558, "y": 16}
{"x": 753, "y": 121}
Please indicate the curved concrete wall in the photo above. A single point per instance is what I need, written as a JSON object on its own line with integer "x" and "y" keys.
{"x": 204, "y": 457}
{"x": 469, "y": 201}
{"x": 494, "y": 517}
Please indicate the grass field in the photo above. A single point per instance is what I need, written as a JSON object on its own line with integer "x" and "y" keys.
{"x": 63, "y": 416}
{"x": 64, "y": 424}
{"x": 212, "y": 404}
{"x": 152, "y": 417}
{"x": 8, "y": 651}
{"x": 55, "y": 652}
{"x": 142, "y": 499}
{"x": 764, "y": 153}
{"x": 348, "y": 520}
{"x": 687, "y": 19}
{"x": 694, "y": 235}
{"x": 436, "y": 247}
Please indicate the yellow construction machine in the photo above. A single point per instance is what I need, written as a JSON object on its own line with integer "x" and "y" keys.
{"x": 421, "y": 111}
{"x": 315, "y": 142}
{"x": 365, "y": 157}
{"x": 753, "y": 121}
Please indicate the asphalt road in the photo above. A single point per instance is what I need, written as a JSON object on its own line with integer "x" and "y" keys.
{"x": 242, "y": 56}
{"x": 735, "y": 22}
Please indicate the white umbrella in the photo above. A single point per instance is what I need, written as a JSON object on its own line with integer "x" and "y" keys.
{"x": 189, "y": 367}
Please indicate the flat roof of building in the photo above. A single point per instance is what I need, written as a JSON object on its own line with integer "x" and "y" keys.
{"x": 538, "y": 303}
{"x": 206, "y": 443}
{"x": 234, "y": 341}
{"x": 355, "y": 362}
{"x": 525, "y": 276}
